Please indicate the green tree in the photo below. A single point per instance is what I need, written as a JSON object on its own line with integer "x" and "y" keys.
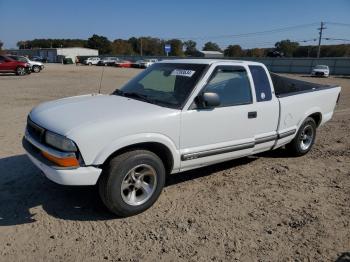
{"x": 210, "y": 46}
{"x": 234, "y": 51}
{"x": 101, "y": 43}
{"x": 122, "y": 47}
{"x": 51, "y": 43}
{"x": 133, "y": 41}
{"x": 23, "y": 44}
{"x": 151, "y": 46}
{"x": 255, "y": 52}
{"x": 1, "y": 45}
{"x": 287, "y": 47}
{"x": 176, "y": 47}
{"x": 190, "y": 48}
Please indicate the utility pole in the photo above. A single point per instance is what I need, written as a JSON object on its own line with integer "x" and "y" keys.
{"x": 320, "y": 38}
{"x": 141, "y": 46}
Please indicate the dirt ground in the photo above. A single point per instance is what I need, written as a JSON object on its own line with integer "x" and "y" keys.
{"x": 269, "y": 207}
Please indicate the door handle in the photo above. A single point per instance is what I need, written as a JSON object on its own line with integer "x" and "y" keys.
{"x": 252, "y": 114}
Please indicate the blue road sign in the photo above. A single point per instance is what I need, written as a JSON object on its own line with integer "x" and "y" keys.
{"x": 167, "y": 48}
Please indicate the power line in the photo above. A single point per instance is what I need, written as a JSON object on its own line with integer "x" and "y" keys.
{"x": 336, "y": 39}
{"x": 334, "y": 23}
{"x": 277, "y": 30}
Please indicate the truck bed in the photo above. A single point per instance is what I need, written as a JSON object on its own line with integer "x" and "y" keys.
{"x": 285, "y": 86}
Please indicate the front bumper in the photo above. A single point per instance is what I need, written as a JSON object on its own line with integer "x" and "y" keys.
{"x": 81, "y": 176}
{"x": 319, "y": 73}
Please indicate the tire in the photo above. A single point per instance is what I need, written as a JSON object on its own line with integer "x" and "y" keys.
{"x": 122, "y": 187}
{"x": 36, "y": 69}
{"x": 90, "y": 64}
{"x": 20, "y": 71}
{"x": 304, "y": 139}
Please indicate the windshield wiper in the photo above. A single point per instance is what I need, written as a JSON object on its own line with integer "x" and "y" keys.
{"x": 142, "y": 97}
{"x": 118, "y": 92}
{"x": 137, "y": 95}
{"x": 134, "y": 95}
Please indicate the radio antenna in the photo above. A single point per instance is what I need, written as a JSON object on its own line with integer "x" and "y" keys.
{"x": 99, "y": 89}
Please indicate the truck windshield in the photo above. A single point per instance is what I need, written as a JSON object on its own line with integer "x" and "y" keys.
{"x": 165, "y": 84}
{"x": 321, "y": 67}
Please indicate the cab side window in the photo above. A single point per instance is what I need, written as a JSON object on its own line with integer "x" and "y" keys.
{"x": 261, "y": 83}
{"x": 232, "y": 85}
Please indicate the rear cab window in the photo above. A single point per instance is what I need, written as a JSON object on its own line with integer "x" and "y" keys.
{"x": 261, "y": 83}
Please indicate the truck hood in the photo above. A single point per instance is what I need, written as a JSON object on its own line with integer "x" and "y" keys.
{"x": 65, "y": 115}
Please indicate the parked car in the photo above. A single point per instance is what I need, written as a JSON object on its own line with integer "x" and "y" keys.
{"x": 107, "y": 61}
{"x": 39, "y": 59}
{"x": 9, "y": 65}
{"x": 275, "y": 54}
{"x": 67, "y": 61}
{"x": 35, "y": 66}
{"x": 136, "y": 64}
{"x": 175, "y": 116}
{"x": 123, "y": 63}
{"x": 92, "y": 61}
{"x": 320, "y": 70}
{"x": 147, "y": 62}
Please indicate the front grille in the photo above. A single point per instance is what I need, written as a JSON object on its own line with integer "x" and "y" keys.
{"x": 35, "y": 131}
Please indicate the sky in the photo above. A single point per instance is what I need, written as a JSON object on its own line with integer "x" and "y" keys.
{"x": 219, "y": 21}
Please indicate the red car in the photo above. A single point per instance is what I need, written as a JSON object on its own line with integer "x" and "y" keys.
{"x": 123, "y": 63}
{"x": 9, "y": 65}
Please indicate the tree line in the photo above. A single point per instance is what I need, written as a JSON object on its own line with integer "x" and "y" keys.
{"x": 152, "y": 46}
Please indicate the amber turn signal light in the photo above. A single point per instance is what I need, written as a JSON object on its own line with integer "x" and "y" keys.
{"x": 64, "y": 162}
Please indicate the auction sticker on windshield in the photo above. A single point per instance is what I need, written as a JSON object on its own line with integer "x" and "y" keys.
{"x": 182, "y": 72}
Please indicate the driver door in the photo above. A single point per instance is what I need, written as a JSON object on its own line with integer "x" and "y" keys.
{"x": 210, "y": 135}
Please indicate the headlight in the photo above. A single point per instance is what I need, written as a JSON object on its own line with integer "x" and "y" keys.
{"x": 60, "y": 142}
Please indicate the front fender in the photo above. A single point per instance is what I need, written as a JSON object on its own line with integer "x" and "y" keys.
{"x": 122, "y": 142}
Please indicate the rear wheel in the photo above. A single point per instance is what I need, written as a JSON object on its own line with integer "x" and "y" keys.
{"x": 304, "y": 139}
{"x": 36, "y": 69}
{"x": 132, "y": 182}
{"x": 20, "y": 71}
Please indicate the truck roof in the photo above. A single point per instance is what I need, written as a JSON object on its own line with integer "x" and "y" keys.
{"x": 208, "y": 61}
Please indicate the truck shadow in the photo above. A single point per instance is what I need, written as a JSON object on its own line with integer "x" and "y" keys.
{"x": 23, "y": 190}
{"x": 344, "y": 257}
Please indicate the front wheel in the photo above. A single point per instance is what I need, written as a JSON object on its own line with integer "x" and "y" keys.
{"x": 304, "y": 139}
{"x": 132, "y": 182}
{"x": 20, "y": 71}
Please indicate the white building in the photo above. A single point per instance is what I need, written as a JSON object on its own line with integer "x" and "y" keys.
{"x": 56, "y": 55}
{"x": 210, "y": 54}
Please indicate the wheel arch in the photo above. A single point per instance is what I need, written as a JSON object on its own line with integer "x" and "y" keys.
{"x": 317, "y": 117}
{"x": 161, "y": 150}
{"x": 159, "y": 144}
{"x": 315, "y": 113}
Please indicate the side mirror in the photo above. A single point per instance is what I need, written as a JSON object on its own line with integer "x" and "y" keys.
{"x": 210, "y": 100}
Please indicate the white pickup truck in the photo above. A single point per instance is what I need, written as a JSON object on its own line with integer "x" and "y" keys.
{"x": 174, "y": 116}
